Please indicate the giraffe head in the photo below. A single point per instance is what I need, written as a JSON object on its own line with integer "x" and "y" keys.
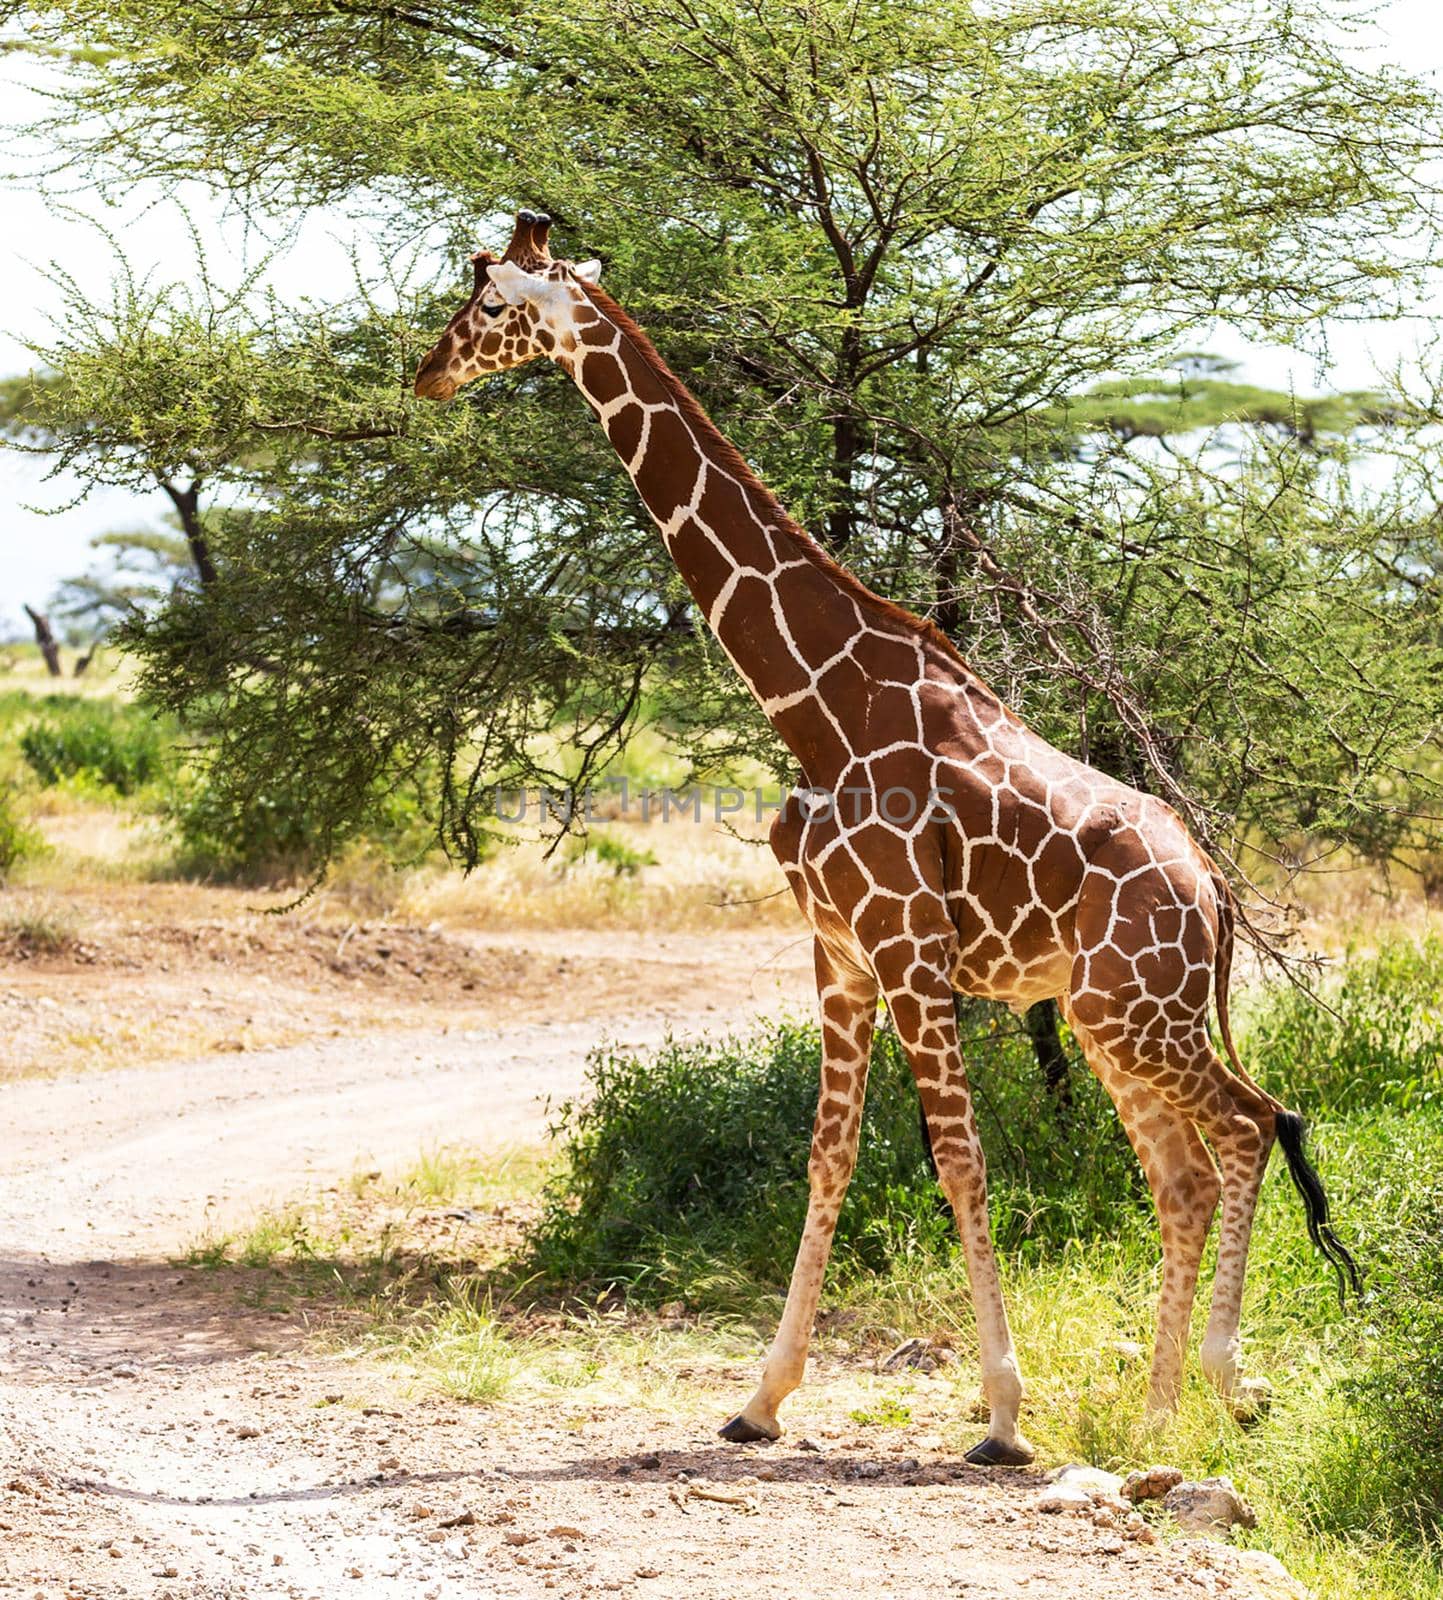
{"x": 520, "y": 307}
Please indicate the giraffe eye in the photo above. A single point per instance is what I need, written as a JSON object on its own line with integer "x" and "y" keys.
{"x": 493, "y": 311}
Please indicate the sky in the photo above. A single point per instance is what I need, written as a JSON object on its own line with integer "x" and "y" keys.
{"x": 47, "y": 531}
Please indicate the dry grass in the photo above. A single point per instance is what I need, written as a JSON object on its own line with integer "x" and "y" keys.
{"x": 110, "y": 676}
{"x": 702, "y": 877}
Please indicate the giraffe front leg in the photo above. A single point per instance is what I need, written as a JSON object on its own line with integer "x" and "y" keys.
{"x": 848, "y": 1002}
{"x": 920, "y": 999}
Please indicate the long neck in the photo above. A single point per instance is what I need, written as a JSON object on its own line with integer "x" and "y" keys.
{"x": 790, "y": 620}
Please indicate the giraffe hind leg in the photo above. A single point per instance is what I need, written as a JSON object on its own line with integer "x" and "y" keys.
{"x": 1185, "y": 1188}
{"x": 1239, "y": 1123}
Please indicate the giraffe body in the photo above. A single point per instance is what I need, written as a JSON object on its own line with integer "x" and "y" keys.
{"x": 936, "y": 846}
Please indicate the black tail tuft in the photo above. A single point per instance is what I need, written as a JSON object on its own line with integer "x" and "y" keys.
{"x": 1291, "y": 1129}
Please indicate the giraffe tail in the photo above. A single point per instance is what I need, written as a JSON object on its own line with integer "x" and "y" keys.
{"x": 1288, "y": 1125}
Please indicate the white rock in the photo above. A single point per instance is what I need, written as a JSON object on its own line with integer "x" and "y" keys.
{"x": 1091, "y": 1479}
{"x": 1062, "y": 1498}
{"x": 1267, "y": 1577}
{"x": 1271, "y": 1574}
{"x": 1080, "y": 1488}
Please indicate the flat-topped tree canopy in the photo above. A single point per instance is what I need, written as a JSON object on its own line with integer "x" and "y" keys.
{"x": 886, "y": 245}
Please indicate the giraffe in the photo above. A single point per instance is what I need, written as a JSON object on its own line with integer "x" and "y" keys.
{"x": 936, "y": 845}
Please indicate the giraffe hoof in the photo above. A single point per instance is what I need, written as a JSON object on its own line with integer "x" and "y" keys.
{"x": 994, "y": 1453}
{"x": 740, "y": 1431}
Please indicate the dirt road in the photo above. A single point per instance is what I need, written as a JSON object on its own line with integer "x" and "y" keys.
{"x": 157, "y": 1439}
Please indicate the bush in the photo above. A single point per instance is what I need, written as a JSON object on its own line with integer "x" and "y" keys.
{"x": 1381, "y": 1044}
{"x": 18, "y": 840}
{"x": 1397, "y": 1397}
{"x": 622, "y": 858}
{"x": 685, "y": 1174}
{"x": 120, "y": 747}
{"x": 276, "y": 832}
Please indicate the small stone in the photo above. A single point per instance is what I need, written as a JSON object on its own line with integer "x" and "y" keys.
{"x": 1151, "y": 1483}
{"x": 1208, "y": 1505}
{"x": 811, "y": 1445}
{"x": 515, "y": 1536}
{"x": 921, "y": 1354}
{"x": 563, "y": 1530}
{"x": 390, "y": 1464}
{"x": 1092, "y": 1480}
{"x": 123, "y": 1371}
{"x": 115, "y": 1551}
{"x": 1271, "y": 1574}
{"x": 650, "y": 1461}
{"x": 1251, "y": 1399}
{"x": 1082, "y": 1489}
{"x": 868, "y": 1469}
{"x": 463, "y": 1519}
{"x": 648, "y": 1572}
{"x": 767, "y": 1474}
{"x": 1064, "y": 1498}
{"x": 420, "y": 1511}
{"x": 354, "y": 1572}
{"x": 247, "y": 1432}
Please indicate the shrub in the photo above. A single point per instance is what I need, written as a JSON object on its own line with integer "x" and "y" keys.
{"x": 39, "y": 928}
{"x": 18, "y": 840}
{"x": 1397, "y": 1396}
{"x": 1380, "y": 1044}
{"x": 120, "y": 747}
{"x": 622, "y": 858}
{"x": 276, "y": 832}
{"x": 685, "y": 1174}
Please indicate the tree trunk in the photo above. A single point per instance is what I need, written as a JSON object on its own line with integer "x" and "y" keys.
{"x": 187, "y": 508}
{"x": 46, "y": 640}
{"x": 82, "y": 665}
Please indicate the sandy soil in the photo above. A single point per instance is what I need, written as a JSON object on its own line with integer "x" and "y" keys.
{"x": 147, "y": 980}
{"x": 159, "y": 1438}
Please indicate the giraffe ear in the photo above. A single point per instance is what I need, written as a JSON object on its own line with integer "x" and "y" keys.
{"x": 588, "y": 271}
{"x": 516, "y": 286}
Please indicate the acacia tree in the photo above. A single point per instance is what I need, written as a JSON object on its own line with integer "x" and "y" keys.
{"x": 889, "y": 246}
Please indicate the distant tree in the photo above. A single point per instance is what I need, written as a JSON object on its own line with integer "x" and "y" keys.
{"x": 45, "y": 639}
{"x": 139, "y": 570}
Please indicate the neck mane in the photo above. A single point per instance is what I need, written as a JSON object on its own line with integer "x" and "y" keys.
{"x": 719, "y": 448}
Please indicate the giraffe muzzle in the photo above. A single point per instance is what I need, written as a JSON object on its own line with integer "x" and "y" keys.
{"x": 434, "y": 384}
